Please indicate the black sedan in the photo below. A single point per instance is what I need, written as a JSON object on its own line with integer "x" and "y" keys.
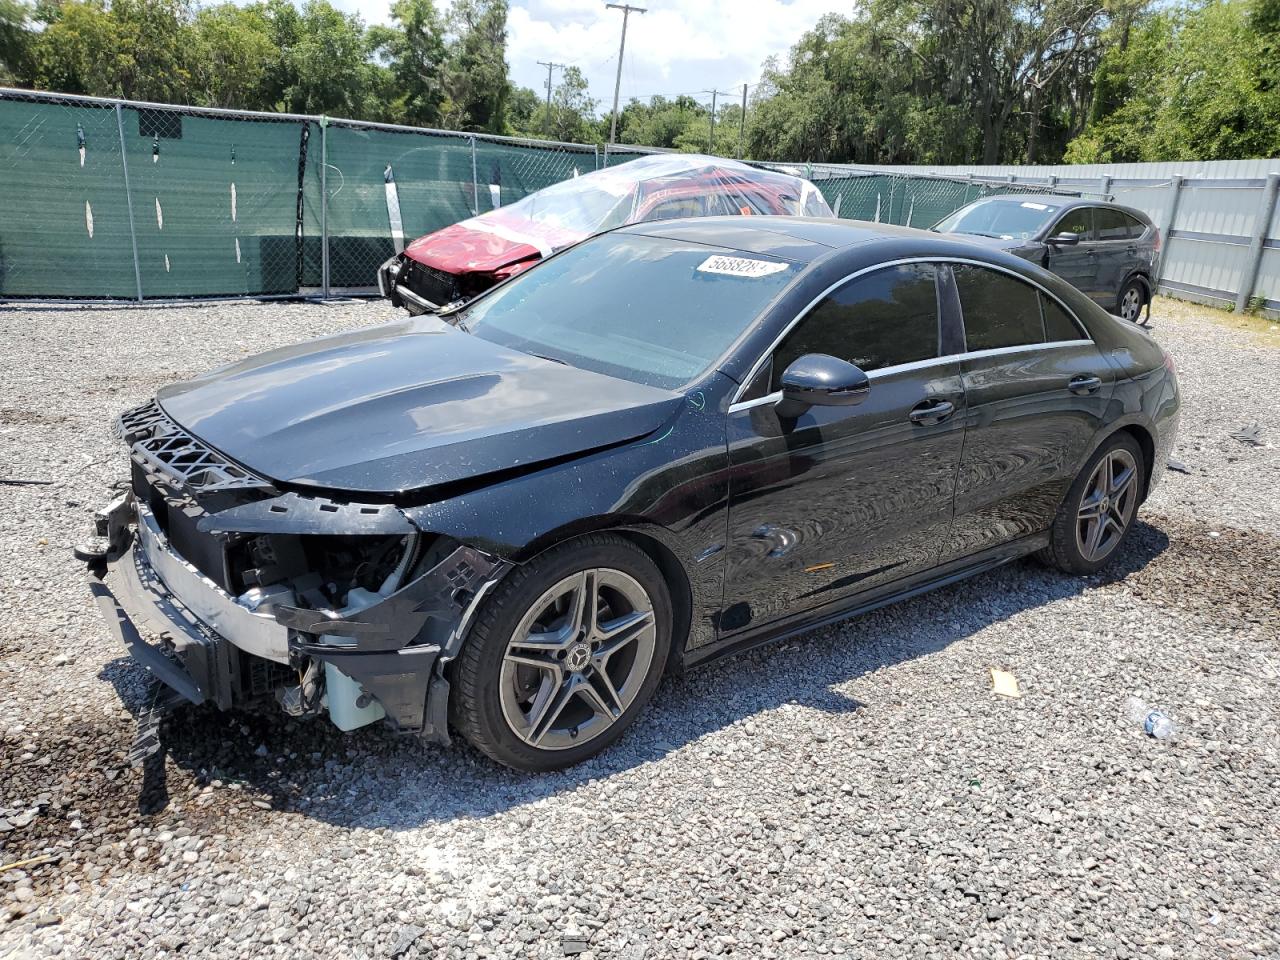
{"x": 1107, "y": 251}
{"x": 669, "y": 442}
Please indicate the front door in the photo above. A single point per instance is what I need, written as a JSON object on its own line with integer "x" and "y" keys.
{"x": 1037, "y": 390}
{"x": 843, "y": 499}
{"x": 1078, "y": 265}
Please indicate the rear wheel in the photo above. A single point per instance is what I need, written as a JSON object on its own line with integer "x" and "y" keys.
{"x": 1129, "y": 303}
{"x": 564, "y": 655}
{"x": 1097, "y": 512}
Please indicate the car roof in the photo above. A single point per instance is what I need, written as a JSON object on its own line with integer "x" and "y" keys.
{"x": 801, "y": 239}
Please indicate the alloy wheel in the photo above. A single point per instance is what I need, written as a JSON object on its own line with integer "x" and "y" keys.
{"x": 1108, "y": 504}
{"x": 578, "y": 659}
{"x": 1131, "y": 304}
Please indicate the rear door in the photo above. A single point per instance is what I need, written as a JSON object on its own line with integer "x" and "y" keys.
{"x": 1036, "y": 392}
{"x": 1117, "y": 249}
{"x": 1078, "y": 265}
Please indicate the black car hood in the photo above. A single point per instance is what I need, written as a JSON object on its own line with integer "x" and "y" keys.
{"x": 405, "y": 406}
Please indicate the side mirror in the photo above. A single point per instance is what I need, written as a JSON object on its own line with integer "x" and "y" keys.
{"x": 819, "y": 380}
{"x": 1064, "y": 239}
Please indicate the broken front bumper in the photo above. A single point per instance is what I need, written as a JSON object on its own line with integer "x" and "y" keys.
{"x": 187, "y": 632}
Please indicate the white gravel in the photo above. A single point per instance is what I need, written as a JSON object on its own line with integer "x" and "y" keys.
{"x": 857, "y": 792}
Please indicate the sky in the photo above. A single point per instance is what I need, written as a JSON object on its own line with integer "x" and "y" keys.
{"x": 677, "y": 47}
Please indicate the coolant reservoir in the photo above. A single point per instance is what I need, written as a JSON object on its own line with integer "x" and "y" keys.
{"x": 343, "y": 694}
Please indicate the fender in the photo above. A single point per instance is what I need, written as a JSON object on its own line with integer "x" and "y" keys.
{"x": 672, "y": 487}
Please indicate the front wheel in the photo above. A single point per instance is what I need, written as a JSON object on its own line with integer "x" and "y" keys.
{"x": 564, "y": 655}
{"x": 1129, "y": 303}
{"x": 1098, "y": 511}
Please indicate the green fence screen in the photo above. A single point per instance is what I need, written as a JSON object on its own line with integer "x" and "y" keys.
{"x": 104, "y": 199}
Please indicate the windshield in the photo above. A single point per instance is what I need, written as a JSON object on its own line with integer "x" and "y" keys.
{"x": 647, "y": 309}
{"x": 580, "y": 205}
{"x": 1003, "y": 218}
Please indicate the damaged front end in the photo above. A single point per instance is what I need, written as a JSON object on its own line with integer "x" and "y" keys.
{"x": 233, "y": 592}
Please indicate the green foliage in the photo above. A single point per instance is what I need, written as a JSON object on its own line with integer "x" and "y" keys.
{"x": 475, "y": 76}
{"x": 415, "y": 52}
{"x": 572, "y": 111}
{"x": 15, "y": 40}
{"x": 1197, "y": 82}
{"x": 230, "y": 54}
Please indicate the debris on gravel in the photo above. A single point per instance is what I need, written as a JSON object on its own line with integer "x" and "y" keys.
{"x": 860, "y": 791}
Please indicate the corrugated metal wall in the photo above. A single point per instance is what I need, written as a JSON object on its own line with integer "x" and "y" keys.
{"x": 1210, "y": 248}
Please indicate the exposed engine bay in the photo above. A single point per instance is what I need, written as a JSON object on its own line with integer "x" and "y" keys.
{"x": 231, "y": 591}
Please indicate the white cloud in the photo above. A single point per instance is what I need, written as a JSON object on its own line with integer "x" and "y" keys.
{"x": 678, "y": 46}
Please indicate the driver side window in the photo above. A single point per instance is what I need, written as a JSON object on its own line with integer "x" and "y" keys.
{"x": 878, "y": 320}
{"x": 1078, "y": 221}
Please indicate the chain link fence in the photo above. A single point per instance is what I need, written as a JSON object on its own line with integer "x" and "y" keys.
{"x": 108, "y": 199}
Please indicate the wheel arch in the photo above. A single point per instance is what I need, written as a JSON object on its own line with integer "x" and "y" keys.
{"x": 1144, "y": 281}
{"x": 1142, "y": 435}
{"x": 656, "y": 542}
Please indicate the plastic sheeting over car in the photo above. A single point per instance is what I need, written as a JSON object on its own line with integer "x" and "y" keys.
{"x": 660, "y": 187}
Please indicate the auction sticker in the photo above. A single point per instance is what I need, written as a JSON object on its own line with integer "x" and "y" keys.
{"x": 740, "y": 266}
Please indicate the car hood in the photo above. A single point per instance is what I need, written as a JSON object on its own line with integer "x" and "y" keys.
{"x": 488, "y": 243}
{"x": 405, "y": 406}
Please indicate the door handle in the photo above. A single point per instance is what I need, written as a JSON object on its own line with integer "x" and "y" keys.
{"x": 931, "y": 411}
{"x": 1084, "y": 385}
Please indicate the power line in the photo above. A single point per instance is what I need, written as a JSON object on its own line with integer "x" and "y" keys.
{"x": 627, "y": 10}
{"x": 546, "y": 121}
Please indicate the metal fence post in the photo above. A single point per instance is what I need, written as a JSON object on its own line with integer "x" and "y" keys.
{"x": 1104, "y": 186}
{"x": 1166, "y": 233}
{"x": 324, "y": 207}
{"x": 475, "y": 181}
{"x": 595, "y": 148}
{"x": 128, "y": 199}
{"x": 1261, "y": 226}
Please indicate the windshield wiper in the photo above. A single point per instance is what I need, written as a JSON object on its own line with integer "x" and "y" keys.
{"x": 543, "y": 356}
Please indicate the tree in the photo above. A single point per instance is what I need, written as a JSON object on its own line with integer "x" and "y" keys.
{"x": 475, "y": 74}
{"x": 15, "y": 41}
{"x": 572, "y": 110}
{"x": 523, "y": 107}
{"x": 325, "y": 61}
{"x": 80, "y": 50}
{"x": 231, "y": 56}
{"x": 415, "y": 54}
{"x": 1196, "y": 82}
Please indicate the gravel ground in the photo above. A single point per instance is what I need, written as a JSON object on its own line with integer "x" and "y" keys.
{"x": 858, "y": 792}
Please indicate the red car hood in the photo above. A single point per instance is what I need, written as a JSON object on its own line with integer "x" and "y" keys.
{"x": 484, "y": 245}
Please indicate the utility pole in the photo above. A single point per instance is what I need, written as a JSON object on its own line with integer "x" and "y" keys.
{"x": 546, "y": 125}
{"x": 742, "y": 123}
{"x": 711, "y": 137}
{"x": 627, "y": 10}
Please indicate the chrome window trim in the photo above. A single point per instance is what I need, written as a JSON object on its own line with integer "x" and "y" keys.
{"x": 738, "y": 404}
{"x": 950, "y": 358}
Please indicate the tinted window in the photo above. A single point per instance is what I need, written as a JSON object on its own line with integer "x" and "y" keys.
{"x": 1136, "y": 227}
{"x": 1058, "y": 325}
{"x": 878, "y": 320}
{"x": 647, "y": 309}
{"x": 999, "y": 310}
{"x": 1113, "y": 225}
{"x": 1075, "y": 221}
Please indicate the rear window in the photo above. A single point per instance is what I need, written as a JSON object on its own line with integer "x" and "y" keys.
{"x": 1002, "y": 311}
{"x": 648, "y": 309}
{"x": 1115, "y": 225}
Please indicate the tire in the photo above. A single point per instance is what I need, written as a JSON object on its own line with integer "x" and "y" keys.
{"x": 543, "y": 683}
{"x": 1071, "y": 547}
{"x": 1130, "y": 300}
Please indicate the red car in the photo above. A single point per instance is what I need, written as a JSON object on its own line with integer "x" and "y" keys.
{"x": 465, "y": 259}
